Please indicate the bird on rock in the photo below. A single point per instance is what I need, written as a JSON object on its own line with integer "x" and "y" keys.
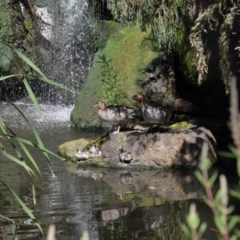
{"x": 153, "y": 114}
{"x": 114, "y": 115}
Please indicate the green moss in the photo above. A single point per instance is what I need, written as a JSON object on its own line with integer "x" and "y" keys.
{"x": 186, "y": 54}
{"x": 68, "y": 149}
{"x": 181, "y": 125}
{"x": 128, "y": 54}
{"x": 101, "y": 32}
{"x": 143, "y": 200}
{"x": 28, "y": 24}
{"x": 14, "y": 27}
{"x": 6, "y": 57}
{"x": 5, "y": 22}
{"x": 6, "y": 33}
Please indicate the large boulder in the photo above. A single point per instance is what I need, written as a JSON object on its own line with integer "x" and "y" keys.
{"x": 132, "y": 149}
{"x": 180, "y": 148}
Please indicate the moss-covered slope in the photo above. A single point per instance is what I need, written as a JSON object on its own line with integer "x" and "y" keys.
{"x": 126, "y": 53}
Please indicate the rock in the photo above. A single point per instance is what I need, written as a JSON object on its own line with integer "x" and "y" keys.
{"x": 70, "y": 148}
{"x": 179, "y": 148}
{"x": 133, "y": 149}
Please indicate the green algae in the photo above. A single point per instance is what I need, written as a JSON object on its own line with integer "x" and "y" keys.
{"x": 181, "y": 125}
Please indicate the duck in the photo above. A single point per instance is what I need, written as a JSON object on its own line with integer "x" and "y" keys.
{"x": 94, "y": 152}
{"x": 125, "y": 156}
{"x": 114, "y": 115}
{"x": 153, "y": 114}
{"x": 82, "y": 154}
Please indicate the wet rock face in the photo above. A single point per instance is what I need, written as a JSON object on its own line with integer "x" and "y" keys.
{"x": 181, "y": 148}
{"x": 160, "y": 81}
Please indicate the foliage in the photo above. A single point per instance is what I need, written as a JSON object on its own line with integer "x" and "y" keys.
{"x": 224, "y": 42}
{"x": 6, "y": 57}
{"x": 182, "y": 27}
{"x": 163, "y": 17}
{"x": 35, "y": 72}
{"x": 217, "y": 18}
{"x": 169, "y": 26}
{"x": 17, "y": 25}
{"x": 16, "y": 148}
{"x": 5, "y": 34}
{"x": 226, "y": 222}
{"x": 110, "y": 81}
{"x": 129, "y": 52}
{"x": 100, "y": 33}
{"x": 5, "y": 21}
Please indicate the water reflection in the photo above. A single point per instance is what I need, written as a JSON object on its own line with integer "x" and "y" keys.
{"x": 109, "y": 204}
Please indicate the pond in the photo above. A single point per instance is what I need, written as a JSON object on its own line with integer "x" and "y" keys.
{"x": 109, "y": 204}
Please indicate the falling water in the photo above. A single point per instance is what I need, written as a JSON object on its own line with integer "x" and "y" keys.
{"x": 64, "y": 48}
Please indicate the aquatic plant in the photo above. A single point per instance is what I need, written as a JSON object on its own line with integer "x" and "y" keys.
{"x": 110, "y": 82}
{"x": 18, "y": 149}
{"x": 225, "y": 220}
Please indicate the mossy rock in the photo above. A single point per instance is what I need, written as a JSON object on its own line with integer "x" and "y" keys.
{"x": 6, "y": 57}
{"x": 127, "y": 51}
{"x": 181, "y": 125}
{"x": 68, "y": 149}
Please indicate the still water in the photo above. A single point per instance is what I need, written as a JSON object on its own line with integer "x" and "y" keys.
{"x": 109, "y": 204}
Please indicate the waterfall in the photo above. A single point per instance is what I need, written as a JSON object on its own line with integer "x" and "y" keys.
{"x": 64, "y": 47}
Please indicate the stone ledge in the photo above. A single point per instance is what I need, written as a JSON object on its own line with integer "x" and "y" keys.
{"x": 181, "y": 148}
{"x": 171, "y": 148}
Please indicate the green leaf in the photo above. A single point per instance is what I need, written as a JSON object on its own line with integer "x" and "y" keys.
{"x": 200, "y": 178}
{"x": 36, "y": 69}
{"x": 219, "y": 221}
{"x": 30, "y": 143}
{"x": 2, "y": 126}
{"x": 34, "y": 195}
{"x": 25, "y": 150}
{"x": 6, "y": 218}
{"x": 26, "y": 209}
{"x": 14, "y": 159}
{"x": 36, "y": 135}
{"x": 56, "y": 84}
{"x": 235, "y": 193}
{"x": 29, "y": 156}
{"x": 39, "y": 141}
{"x": 32, "y": 95}
{"x": 9, "y": 76}
{"x": 193, "y": 218}
{"x": 227, "y": 154}
{"x": 202, "y": 229}
{"x": 234, "y": 220}
{"x": 213, "y": 178}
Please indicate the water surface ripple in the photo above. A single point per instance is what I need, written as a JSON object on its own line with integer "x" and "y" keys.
{"x": 120, "y": 204}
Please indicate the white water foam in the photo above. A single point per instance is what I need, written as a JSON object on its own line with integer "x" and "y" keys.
{"x": 64, "y": 51}
{"x": 52, "y": 115}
